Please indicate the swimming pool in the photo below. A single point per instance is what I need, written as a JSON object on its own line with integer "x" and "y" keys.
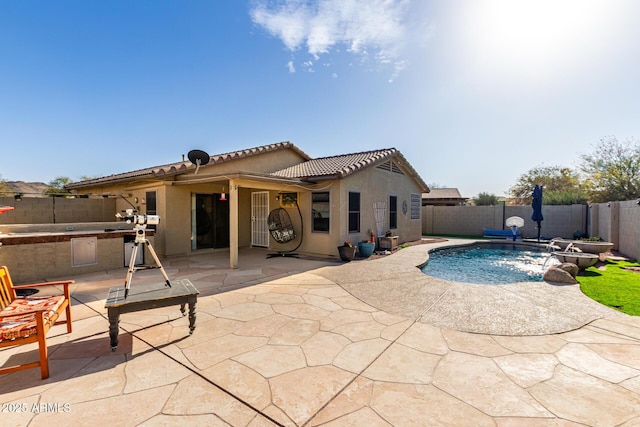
{"x": 489, "y": 263}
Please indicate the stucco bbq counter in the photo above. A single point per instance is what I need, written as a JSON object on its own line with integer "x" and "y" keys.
{"x": 37, "y": 255}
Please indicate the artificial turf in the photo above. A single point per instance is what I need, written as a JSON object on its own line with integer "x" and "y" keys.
{"x": 613, "y": 286}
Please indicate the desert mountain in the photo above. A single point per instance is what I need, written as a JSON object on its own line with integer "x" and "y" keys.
{"x": 28, "y": 188}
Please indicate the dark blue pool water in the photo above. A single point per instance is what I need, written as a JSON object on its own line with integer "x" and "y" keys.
{"x": 489, "y": 263}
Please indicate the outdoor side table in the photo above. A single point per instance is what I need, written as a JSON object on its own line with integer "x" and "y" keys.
{"x": 390, "y": 243}
{"x": 147, "y": 297}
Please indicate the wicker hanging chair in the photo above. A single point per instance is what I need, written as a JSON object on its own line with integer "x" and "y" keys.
{"x": 280, "y": 226}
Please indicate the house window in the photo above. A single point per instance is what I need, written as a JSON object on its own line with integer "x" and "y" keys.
{"x": 320, "y": 211}
{"x": 393, "y": 212}
{"x": 416, "y": 202}
{"x": 354, "y": 212}
{"x": 151, "y": 200}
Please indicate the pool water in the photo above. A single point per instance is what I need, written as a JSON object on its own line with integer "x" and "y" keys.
{"x": 489, "y": 263}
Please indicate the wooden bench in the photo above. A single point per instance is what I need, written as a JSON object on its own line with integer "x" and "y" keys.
{"x": 27, "y": 319}
{"x": 500, "y": 234}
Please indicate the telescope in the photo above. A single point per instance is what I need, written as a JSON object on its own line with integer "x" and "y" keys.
{"x": 140, "y": 223}
{"x": 130, "y": 217}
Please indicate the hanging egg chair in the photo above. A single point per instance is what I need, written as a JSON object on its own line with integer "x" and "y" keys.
{"x": 281, "y": 229}
{"x": 280, "y": 226}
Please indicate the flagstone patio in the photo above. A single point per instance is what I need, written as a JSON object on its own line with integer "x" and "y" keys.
{"x": 294, "y": 342}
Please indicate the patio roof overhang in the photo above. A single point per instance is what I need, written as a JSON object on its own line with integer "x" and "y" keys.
{"x": 238, "y": 177}
{"x": 235, "y": 181}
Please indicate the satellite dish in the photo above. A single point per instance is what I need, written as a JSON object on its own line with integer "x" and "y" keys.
{"x": 198, "y": 158}
{"x": 514, "y": 221}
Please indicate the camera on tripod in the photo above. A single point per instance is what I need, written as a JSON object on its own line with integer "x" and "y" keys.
{"x": 130, "y": 217}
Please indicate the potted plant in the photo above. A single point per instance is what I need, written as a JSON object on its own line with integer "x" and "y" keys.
{"x": 347, "y": 251}
{"x": 366, "y": 248}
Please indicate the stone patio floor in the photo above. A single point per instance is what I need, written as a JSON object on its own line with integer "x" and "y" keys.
{"x": 306, "y": 342}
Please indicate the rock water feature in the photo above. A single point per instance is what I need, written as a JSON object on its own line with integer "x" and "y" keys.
{"x": 562, "y": 273}
{"x": 575, "y": 256}
{"x": 584, "y": 246}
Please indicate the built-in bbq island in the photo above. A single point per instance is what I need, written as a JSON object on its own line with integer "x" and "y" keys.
{"x": 42, "y": 252}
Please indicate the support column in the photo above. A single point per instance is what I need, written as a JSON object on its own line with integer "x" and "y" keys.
{"x": 233, "y": 224}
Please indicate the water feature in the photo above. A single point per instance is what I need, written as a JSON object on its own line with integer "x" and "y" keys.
{"x": 572, "y": 254}
{"x": 489, "y": 263}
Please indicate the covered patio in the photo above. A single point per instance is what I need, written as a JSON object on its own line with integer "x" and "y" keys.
{"x": 256, "y": 184}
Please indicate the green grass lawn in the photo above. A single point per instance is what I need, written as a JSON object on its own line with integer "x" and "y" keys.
{"x": 614, "y": 287}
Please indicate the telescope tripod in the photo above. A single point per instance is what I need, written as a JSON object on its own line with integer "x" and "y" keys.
{"x": 141, "y": 239}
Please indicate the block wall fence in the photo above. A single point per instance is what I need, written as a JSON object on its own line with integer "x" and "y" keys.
{"x": 57, "y": 210}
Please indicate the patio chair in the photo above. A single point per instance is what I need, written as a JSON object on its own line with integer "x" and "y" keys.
{"x": 25, "y": 320}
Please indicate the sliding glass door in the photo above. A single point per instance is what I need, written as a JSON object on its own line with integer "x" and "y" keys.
{"x": 209, "y": 222}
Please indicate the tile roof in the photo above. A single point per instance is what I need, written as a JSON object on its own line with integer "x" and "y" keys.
{"x": 336, "y": 166}
{"x": 184, "y": 166}
{"x": 333, "y": 167}
{"x": 443, "y": 193}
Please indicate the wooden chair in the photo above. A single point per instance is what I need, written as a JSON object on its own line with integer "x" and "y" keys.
{"x": 25, "y": 320}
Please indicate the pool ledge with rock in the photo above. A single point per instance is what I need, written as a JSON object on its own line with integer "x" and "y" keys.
{"x": 395, "y": 284}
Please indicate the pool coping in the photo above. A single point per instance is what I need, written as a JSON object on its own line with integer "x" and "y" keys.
{"x": 396, "y": 284}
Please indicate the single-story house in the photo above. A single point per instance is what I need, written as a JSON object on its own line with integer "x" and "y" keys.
{"x": 443, "y": 197}
{"x": 225, "y": 201}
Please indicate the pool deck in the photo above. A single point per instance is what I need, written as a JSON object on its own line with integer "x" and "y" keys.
{"x": 287, "y": 341}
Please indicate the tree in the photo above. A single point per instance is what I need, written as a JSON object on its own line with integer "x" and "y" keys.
{"x": 4, "y": 187}
{"x": 613, "y": 170}
{"x": 436, "y": 185}
{"x": 56, "y": 186}
{"x": 485, "y": 199}
{"x": 561, "y": 186}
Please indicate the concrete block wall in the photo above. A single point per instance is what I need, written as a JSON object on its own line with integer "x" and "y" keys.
{"x": 602, "y": 221}
{"x": 560, "y": 221}
{"x": 619, "y": 223}
{"x": 49, "y": 210}
{"x": 460, "y": 220}
{"x": 629, "y": 234}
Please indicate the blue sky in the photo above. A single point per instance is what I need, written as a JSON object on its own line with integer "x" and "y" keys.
{"x": 474, "y": 93}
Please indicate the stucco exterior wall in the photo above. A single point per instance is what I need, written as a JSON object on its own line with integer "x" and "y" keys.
{"x": 376, "y": 185}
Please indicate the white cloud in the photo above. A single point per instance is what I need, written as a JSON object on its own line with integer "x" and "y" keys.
{"x": 308, "y": 65}
{"x": 321, "y": 26}
{"x": 291, "y": 67}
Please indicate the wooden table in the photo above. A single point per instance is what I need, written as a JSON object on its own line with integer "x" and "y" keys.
{"x": 147, "y": 297}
